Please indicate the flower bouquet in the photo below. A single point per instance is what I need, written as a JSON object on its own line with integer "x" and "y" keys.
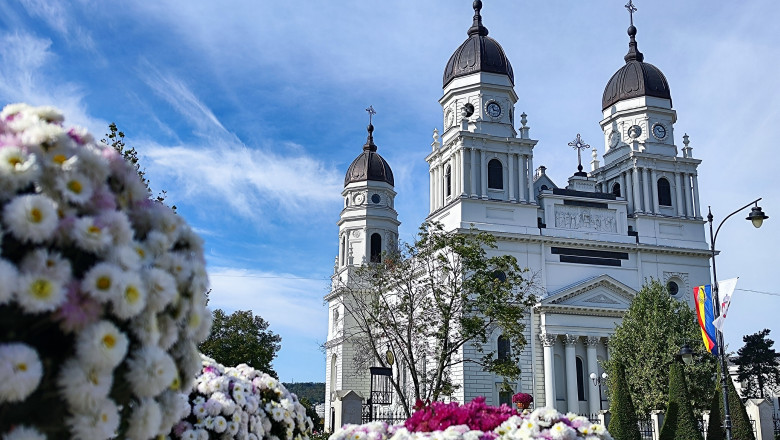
{"x": 438, "y": 416}
{"x": 522, "y": 400}
{"x": 102, "y": 290}
{"x": 241, "y": 403}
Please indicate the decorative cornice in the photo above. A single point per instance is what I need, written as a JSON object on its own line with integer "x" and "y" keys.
{"x": 548, "y": 339}
{"x": 570, "y": 339}
{"x": 580, "y": 310}
{"x": 592, "y": 341}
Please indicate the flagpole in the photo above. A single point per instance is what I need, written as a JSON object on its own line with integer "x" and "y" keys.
{"x": 724, "y": 376}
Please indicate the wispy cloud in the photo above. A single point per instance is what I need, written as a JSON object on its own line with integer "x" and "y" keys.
{"x": 57, "y": 16}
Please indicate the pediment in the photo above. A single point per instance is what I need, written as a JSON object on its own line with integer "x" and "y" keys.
{"x": 601, "y": 292}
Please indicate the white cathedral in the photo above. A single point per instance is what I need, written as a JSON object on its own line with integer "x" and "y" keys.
{"x": 592, "y": 244}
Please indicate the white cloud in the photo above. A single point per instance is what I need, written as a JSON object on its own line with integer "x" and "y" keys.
{"x": 57, "y": 15}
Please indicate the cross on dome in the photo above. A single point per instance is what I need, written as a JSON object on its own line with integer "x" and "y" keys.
{"x": 579, "y": 145}
{"x": 631, "y": 9}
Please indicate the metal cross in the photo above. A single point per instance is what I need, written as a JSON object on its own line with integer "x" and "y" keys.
{"x": 371, "y": 113}
{"x": 631, "y": 9}
{"x": 579, "y": 145}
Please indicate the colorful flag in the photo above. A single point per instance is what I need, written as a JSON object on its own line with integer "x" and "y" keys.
{"x": 725, "y": 289}
{"x": 705, "y": 315}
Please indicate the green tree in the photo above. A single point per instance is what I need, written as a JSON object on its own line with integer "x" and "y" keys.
{"x": 429, "y": 299}
{"x": 242, "y": 338}
{"x": 679, "y": 422}
{"x": 741, "y": 428}
{"x": 758, "y": 368}
{"x": 623, "y": 425}
{"x": 647, "y": 342}
{"x": 312, "y": 413}
{"x": 715, "y": 429}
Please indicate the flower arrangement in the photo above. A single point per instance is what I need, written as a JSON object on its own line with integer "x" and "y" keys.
{"x": 242, "y": 403}
{"x": 522, "y": 398}
{"x": 543, "y": 423}
{"x": 438, "y": 416}
{"x": 102, "y": 298}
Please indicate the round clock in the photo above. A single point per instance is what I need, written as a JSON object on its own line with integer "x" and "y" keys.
{"x": 468, "y": 109}
{"x": 493, "y": 109}
{"x": 375, "y": 198}
{"x": 614, "y": 139}
{"x": 634, "y": 131}
{"x": 659, "y": 131}
{"x": 359, "y": 199}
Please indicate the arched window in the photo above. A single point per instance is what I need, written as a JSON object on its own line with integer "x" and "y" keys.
{"x": 495, "y": 175}
{"x": 376, "y": 247}
{"x": 664, "y": 192}
{"x": 616, "y": 190}
{"x": 580, "y": 380}
{"x": 448, "y": 182}
{"x": 504, "y": 348}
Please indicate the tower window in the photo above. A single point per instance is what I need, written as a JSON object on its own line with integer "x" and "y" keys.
{"x": 504, "y": 348}
{"x": 616, "y": 190}
{"x": 580, "y": 380}
{"x": 376, "y": 247}
{"x": 495, "y": 175}
{"x": 448, "y": 181}
{"x": 664, "y": 192}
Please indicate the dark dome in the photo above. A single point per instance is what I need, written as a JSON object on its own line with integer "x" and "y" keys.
{"x": 369, "y": 165}
{"x": 636, "y": 78}
{"x": 479, "y": 53}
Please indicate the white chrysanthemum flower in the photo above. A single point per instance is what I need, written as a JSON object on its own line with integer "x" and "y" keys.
{"x": 47, "y": 262}
{"x": 199, "y": 324}
{"x": 49, "y": 114}
{"x": 103, "y": 282}
{"x": 31, "y": 217}
{"x": 145, "y": 420}
{"x": 131, "y": 298}
{"x": 188, "y": 359}
{"x": 220, "y": 424}
{"x": 39, "y": 293}
{"x": 16, "y": 110}
{"x": 150, "y": 371}
{"x": 9, "y": 285}
{"x": 118, "y": 225}
{"x": 169, "y": 332}
{"x": 161, "y": 287}
{"x": 89, "y": 161}
{"x": 82, "y": 386}
{"x": 75, "y": 187}
{"x": 125, "y": 257}
{"x": 189, "y": 435}
{"x": 90, "y": 235}
{"x": 562, "y": 431}
{"x": 175, "y": 406}
{"x": 145, "y": 328}
{"x": 45, "y": 136}
{"x": 176, "y": 264}
{"x": 23, "y": 432}
{"x": 157, "y": 243}
{"x": 20, "y": 371}
{"x": 17, "y": 168}
{"x": 81, "y": 133}
{"x": 95, "y": 425}
{"x": 102, "y": 345}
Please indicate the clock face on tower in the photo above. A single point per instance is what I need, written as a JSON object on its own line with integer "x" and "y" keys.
{"x": 493, "y": 109}
{"x": 614, "y": 139}
{"x": 659, "y": 131}
{"x": 634, "y": 131}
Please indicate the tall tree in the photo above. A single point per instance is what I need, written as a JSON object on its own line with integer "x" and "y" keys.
{"x": 758, "y": 366}
{"x": 242, "y": 338}
{"x": 623, "y": 425}
{"x": 679, "y": 422}
{"x": 430, "y": 299}
{"x": 647, "y": 342}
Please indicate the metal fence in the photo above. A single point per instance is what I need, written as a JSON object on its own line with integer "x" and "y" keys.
{"x": 382, "y": 413}
{"x": 776, "y": 423}
{"x": 646, "y": 429}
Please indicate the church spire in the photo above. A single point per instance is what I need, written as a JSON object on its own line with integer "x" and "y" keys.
{"x": 633, "y": 53}
{"x": 476, "y": 27}
{"x": 369, "y": 145}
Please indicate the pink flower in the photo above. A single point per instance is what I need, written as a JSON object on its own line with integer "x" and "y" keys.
{"x": 78, "y": 311}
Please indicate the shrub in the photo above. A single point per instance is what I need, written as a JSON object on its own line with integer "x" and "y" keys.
{"x": 623, "y": 425}
{"x": 715, "y": 429}
{"x": 102, "y": 298}
{"x": 679, "y": 423}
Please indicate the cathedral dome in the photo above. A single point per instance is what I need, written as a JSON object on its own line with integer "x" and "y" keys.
{"x": 369, "y": 165}
{"x": 479, "y": 53}
{"x": 636, "y": 78}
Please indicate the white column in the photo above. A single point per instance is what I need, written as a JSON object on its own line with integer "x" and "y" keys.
{"x": 628, "y": 191}
{"x": 654, "y": 191}
{"x": 635, "y": 185}
{"x": 531, "y": 194}
{"x": 462, "y": 172}
{"x": 688, "y": 198}
{"x": 432, "y": 188}
{"x": 483, "y": 172}
{"x": 511, "y": 159}
{"x": 647, "y": 204}
{"x": 697, "y": 208}
{"x": 473, "y": 168}
{"x": 438, "y": 186}
{"x": 521, "y": 179}
{"x": 678, "y": 191}
{"x": 548, "y": 340}
{"x": 572, "y": 399}
{"x": 593, "y": 367}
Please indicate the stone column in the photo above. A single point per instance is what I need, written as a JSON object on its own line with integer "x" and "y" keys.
{"x": 473, "y": 168}
{"x": 678, "y": 192}
{"x": 461, "y": 172}
{"x": 436, "y": 187}
{"x": 628, "y": 191}
{"x": 688, "y": 198}
{"x": 548, "y": 340}
{"x": 654, "y": 191}
{"x": 647, "y": 204}
{"x": 635, "y": 185}
{"x": 522, "y": 178}
{"x": 594, "y": 399}
{"x": 572, "y": 399}
{"x": 483, "y": 171}
{"x": 511, "y": 159}
{"x": 530, "y": 179}
{"x": 697, "y": 208}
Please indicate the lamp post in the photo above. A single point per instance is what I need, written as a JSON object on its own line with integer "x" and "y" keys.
{"x": 599, "y": 381}
{"x": 756, "y": 217}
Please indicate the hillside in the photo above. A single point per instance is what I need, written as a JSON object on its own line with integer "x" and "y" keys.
{"x": 313, "y": 391}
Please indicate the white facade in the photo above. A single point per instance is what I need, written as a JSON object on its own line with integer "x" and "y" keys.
{"x": 590, "y": 246}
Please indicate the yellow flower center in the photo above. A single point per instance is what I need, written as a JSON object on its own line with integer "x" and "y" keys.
{"x": 176, "y": 383}
{"x": 75, "y": 186}
{"x": 93, "y": 377}
{"x": 109, "y": 340}
{"x": 14, "y": 161}
{"x": 132, "y": 294}
{"x": 103, "y": 283}
{"x": 35, "y": 216}
{"x": 104, "y": 417}
{"x": 94, "y": 230}
{"x": 194, "y": 320}
{"x": 41, "y": 289}
{"x": 59, "y": 159}
{"x": 140, "y": 252}
{"x": 21, "y": 366}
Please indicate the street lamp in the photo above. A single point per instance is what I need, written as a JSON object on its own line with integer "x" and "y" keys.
{"x": 756, "y": 217}
{"x": 599, "y": 381}
{"x": 686, "y": 354}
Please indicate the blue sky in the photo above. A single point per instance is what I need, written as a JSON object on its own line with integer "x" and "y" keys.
{"x": 249, "y": 112}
